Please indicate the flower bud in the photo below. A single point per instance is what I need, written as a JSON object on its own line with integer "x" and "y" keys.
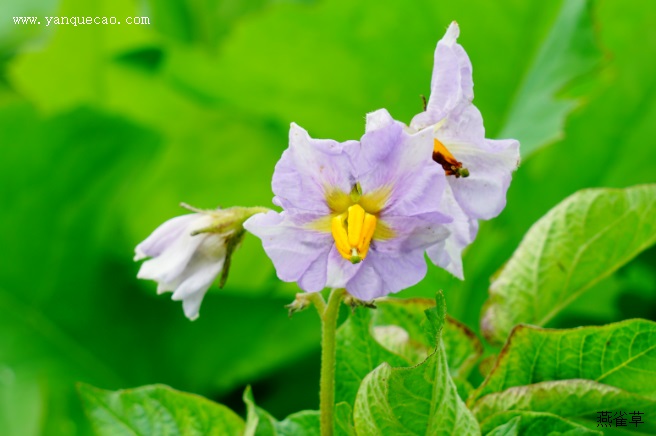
{"x": 188, "y": 252}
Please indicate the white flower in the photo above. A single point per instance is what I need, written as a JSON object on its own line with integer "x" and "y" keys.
{"x": 188, "y": 252}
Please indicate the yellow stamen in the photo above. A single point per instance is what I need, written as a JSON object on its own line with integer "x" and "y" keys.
{"x": 340, "y": 236}
{"x": 368, "y": 229}
{"x": 355, "y": 221}
{"x": 352, "y": 232}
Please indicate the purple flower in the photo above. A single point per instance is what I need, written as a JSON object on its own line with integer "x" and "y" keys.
{"x": 356, "y": 215}
{"x": 478, "y": 170}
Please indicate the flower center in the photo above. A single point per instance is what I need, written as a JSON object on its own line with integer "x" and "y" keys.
{"x": 451, "y": 166}
{"x": 352, "y": 231}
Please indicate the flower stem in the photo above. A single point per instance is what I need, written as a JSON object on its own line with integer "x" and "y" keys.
{"x": 328, "y": 314}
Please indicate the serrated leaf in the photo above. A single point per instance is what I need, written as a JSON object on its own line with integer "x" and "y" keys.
{"x": 620, "y": 355}
{"x": 537, "y": 114}
{"x": 397, "y": 332}
{"x": 579, "y": 242}
{"x": 418, "y": 400}
{"x": 534, "y": 424}
{"x": 566, "y": 398}
{"x": 409, "y": 401}
{"x": 413, "y": 316}
{"x": 357, "y": 354}
{"x": 156, "y": 409}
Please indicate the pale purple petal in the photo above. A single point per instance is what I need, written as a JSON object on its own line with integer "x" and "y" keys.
{"x": 173, "y": 260}
{"x": 413, "y": 233}
{"x": 448, "y": 252}
{"x": 307, "y": 168}
{"x": 340, "y": 271}
{"x": 464, "y": 125}
{"x": 482, "y": 195}
{"x": 401, "y": 161}
{"x": 381, "y": 274}
{"x": 299, "y": 254}
{"x": 451, "y": 84}
{"x": 163, "y": 236}
{"x": 204, "y": 266}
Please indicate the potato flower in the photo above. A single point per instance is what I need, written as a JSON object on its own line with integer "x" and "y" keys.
{"x": 478, "y": 170}
{"x": 357, "y": 215}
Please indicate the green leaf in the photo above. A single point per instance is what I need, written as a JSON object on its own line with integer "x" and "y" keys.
{"x": 261, "y": 423}
{"x": 537, "y": 114}
{"x": 534, "y": 424}
{"x": 418, "y": 400}
{"x": 156, "y": 409}
{"x": 83, "y": 208}
{"x": 344, "y": 420}
{"x": 357, "y": 354}
{"x": 408, "y": 327}
{"x": 510, "y": 428}
{"x": 578, "y": 243}
{"x": 289, "y": 41}
{"x": 566, "y": 398}
{"x": 399, "y": 333}
{"x": 620, "y": 355}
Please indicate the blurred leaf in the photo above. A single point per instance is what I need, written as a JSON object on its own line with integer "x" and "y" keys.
{"x": 582, "y": 240}
{"x": 156, "y": 409}
{"x": 78, "y": 57}
{"x": 510, "y": 428}
{"x": 533, "y": 423}
{"x": 537, "y": 114}
{"x": 357, "y": 69}
{"x": 21, "y": 403}
{"x": 619, "y": 355}
{"x": 13, "y": 35}
{"x": 418, "y": 400}
{"x": 201, "y": 22}
{"x": 566, "y": 398}
{"x": 59, "y": 308}
{"x": 307, "y": 422}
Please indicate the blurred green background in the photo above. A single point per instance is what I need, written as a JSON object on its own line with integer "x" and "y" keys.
{"x": 104, "y": 129}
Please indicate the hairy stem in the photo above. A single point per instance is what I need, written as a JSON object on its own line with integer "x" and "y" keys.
{"x": 328, "y": 313}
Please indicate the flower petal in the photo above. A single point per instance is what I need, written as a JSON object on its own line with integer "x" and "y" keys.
{"x": 173, "y": 260}
{"x": 381, "y": 274}
{"x": 462, "y": 231}
{"x": 340, "y": 270}
{"x": 306, "y": 168}
{"x": 414, "y": 233}
{"x": 299, "y": 254}
{"x": 401, "y": 162}
{"x": 452, "y": 82}
{"x": 203, "y": 268}
{"x": 163, "y": 236}
{"x": 490, "y": 163}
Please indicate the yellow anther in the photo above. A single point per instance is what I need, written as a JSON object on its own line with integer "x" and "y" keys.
{"x": 355, "y": 220}
{"x": 352, "y": 232}
{"x": 368, "y": 229}
{"x": 339, "y": 234}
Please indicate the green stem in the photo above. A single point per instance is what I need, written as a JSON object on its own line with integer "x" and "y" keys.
{"x": 327, "y": 384}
